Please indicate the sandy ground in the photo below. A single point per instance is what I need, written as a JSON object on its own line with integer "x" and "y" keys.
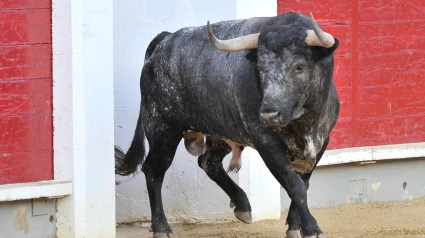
{"x": 398, "y": 219}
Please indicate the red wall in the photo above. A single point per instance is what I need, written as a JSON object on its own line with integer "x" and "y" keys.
{"x": 26, "y": 144}
{"x": 380, "y": 68}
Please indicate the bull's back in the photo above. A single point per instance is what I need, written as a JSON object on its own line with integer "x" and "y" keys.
{"x": 188, "y": 79}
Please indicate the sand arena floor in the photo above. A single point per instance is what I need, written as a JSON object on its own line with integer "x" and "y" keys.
{"x": 396, "y": 219}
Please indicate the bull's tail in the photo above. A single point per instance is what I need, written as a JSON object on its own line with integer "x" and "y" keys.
{"x": 126, "y": 164}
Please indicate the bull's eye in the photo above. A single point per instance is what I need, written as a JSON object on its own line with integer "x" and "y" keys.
{"x": 300, "y": 67}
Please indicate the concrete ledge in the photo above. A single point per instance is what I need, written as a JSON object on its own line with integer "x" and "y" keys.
{"x": 43, "y": 189}
{"x": 373, "y": 153}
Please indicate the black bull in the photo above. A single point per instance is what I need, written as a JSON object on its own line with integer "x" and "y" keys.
{"x": 269, "y": 86}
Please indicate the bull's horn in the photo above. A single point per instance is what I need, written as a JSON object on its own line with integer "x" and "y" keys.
{"x": 317, "y": 37}
{"x": 236, "y": 44}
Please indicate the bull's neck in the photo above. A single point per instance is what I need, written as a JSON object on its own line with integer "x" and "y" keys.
{"x": 315, "y": 125}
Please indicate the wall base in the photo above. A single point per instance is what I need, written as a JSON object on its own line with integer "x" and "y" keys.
{"x": 381, "y": 181}
{"x": 28, "y": 218}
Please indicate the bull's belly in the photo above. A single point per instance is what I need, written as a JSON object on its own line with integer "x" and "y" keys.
{"x": 195, "y": 145}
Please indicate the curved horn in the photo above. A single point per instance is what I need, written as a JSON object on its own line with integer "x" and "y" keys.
{"x": 236, "y": 44}
{"x": 317, "y": 37}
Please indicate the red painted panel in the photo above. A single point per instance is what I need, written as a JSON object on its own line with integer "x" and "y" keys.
{"x": 415, "y": 128}
{"x": 24, "y": 4}
{"x": 342, "y": 72}
{"x": 376, "y": 71}
{"x": 27, "y": 166}
{"x": 26, "y": 129}
{"x": 26, "y": 61}
{"x": 20, "y": 97}
{"x": 332, "y": 10}
{"x": 407, "y": 68}
{"x": 345, "y": 98}
{"x": 393, "y": 38}
{"x": 21, "y": 133}
{"x": 391, "y": 72}
{"x": 374, "y": 102}
{"x": 378, "y": 131}
{"x": 397, "y": 100}
{"x": 341, "y": 136}
{"x": 391, "y": 130}
{"x": 408, "y": 100}
{"x": 391, "y": 10}
{"x": 355, "y": 71}
{"x": 394, "y": 69}
{"x": 25, "y": 27}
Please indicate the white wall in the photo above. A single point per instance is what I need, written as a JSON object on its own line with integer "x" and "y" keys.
{"x": 82, "y": 36}
{"x": 187, "y": 192}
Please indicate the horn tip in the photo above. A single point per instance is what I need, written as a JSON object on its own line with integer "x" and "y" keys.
{"x": 209, "y": 26}
{"x": 210, "y": 34}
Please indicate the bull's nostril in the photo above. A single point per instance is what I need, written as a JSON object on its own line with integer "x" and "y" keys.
{"x": 271, "y": 117}
{"x": 273, "y": 114}
{"x": 277, "y": 118}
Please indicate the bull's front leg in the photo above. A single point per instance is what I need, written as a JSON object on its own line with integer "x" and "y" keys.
{"x": 273, "y": 152}
{"x": 293, "y": 220}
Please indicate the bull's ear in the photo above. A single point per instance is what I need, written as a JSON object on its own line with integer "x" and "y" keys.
{"x": 252, "y": 55}
{"x": 320, "y": 53}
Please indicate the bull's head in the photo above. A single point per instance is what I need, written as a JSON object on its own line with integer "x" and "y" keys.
{"x": 293, "y": 63}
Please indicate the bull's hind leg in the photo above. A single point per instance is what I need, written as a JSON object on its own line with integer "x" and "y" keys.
{"x": 212, "y": 163}
{"x": 163, "y": 145}
{"x": 235, "y": 163}
{"x": 293, "y": 219}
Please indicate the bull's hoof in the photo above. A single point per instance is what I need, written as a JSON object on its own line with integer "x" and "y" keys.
{"x": 245, "y": 217}
{"x": 321, "y": 235}
{"x": 293, "y": 234}
{"x": 232, "y": 204}
{"x": 150, "y": 229}
{"x": 162, "y": 235}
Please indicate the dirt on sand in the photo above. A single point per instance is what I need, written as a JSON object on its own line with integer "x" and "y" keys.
{"x": 396, "y": 219}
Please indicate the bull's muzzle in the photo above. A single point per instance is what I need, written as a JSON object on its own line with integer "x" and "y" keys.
{"x": 271, "y": 118}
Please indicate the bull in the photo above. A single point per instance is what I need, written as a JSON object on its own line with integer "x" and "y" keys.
{"x": 264, "y": 82}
